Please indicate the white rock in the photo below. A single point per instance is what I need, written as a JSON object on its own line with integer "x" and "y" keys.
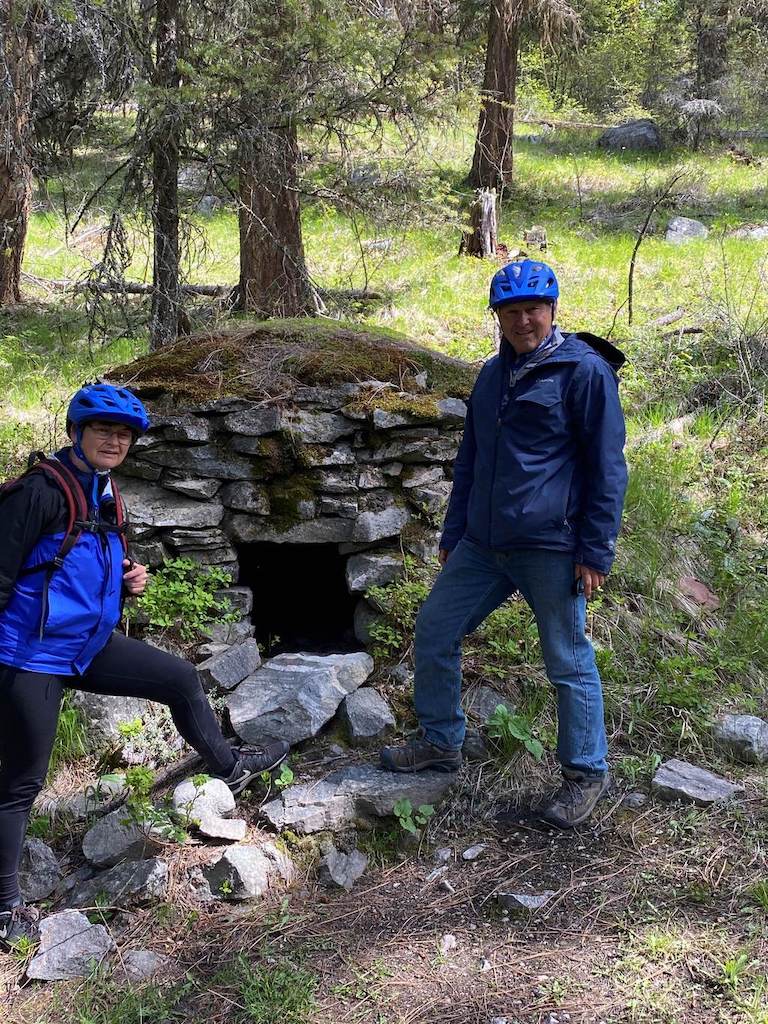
{"x": 678, "y": 780}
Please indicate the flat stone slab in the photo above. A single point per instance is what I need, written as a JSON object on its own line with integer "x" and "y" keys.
{"x": 744, "y": 737}
{"x": 372, "y": 570}
{"x": 70, "y": 947}
{"x": 679, "y": 780}
{"x": 229, "y": 668}
{"x": 152, "y": 507}
{"x": 294, "y": 695}
{"x": 357, "y": 795}
{"x": 136, "y": 879}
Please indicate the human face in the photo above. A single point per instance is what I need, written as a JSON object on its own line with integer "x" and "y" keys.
{"x": 104, "y": 444}
{"x": 526, "y": 324}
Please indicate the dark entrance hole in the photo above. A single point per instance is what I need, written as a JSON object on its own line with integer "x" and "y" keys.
{"x": 300, "y": 597}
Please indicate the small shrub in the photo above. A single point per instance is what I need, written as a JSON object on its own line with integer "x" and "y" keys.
{"x": 71, "y": 736}
{"x": 411, "y": 820}
{"x": 511, "y": 733}
{"x": 181, "y": 596}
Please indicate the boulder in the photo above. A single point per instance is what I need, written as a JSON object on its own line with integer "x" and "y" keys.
{"x": 640, "y": 134}
{"x": 186, "y": 429}
{"x": 684, "y": 229}
{"x": 372, "y": 570}
{"x": 366, "y": 715}
{"x": 229, "y": 668}
{"x": 152, "y": 506}
{"x": 356, "y": 795}
{"x": 229, "y": 633}
{"x": 104, "y": 713}
{"x": 317, "y": 455}
{"x": 131, "y": 880}
{"x": 70, "y": 947}
{"x": 208, "y": 808}
{"x": 294, "y": 695}
{"x": 341, "y": 481}
{"x": 678, "y": 780}
{"x": 341, "y": 870}
{"x": 39, "y": 870}
{"x": 246, "y": 871}
{"x": 258, "y": 420}
{"x": 744, "y": 737}
{"x": 475, "y": 749}
{"x": 115, "y": 838}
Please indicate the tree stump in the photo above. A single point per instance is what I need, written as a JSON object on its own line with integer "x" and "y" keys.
{"x": 479, "y": 239}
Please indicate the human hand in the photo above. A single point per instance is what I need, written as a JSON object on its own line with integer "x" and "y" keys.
{"x": 135, "y": 577}
{"x": 591, "y": 579}
{"x": 442, "y": 556}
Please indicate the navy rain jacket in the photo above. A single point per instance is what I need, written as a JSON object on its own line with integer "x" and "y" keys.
{"x": 541, "y": 463}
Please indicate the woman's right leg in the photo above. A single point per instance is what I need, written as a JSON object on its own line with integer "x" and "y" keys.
{"x": 29, "y": 711}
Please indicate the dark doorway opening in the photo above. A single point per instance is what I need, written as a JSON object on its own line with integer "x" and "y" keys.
{"x": 300, "y": 597}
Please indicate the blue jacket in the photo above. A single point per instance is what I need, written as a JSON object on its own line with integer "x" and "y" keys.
{"x": 541, "y": 463}
{"x": 84, "y": 596}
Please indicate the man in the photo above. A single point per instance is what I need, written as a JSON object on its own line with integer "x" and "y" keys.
{"x": 62, "y": 582}
{"x": 536, "y": 506}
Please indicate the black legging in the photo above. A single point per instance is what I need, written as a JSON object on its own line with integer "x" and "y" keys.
{"x": 29, "y": 711}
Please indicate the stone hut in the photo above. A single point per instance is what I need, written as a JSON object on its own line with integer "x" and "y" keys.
{"x": 305, "y": 458}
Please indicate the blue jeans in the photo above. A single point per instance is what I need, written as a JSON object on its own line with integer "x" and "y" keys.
{"x": 476, "y": 580}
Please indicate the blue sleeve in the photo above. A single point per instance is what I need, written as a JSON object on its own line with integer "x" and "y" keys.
{"x": 463, "y": 474}
{"x": 597, "y": 413}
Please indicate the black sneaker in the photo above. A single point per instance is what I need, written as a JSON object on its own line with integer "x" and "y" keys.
{"x": 576, "y": 799}
{"x": 417, "y": 754}
{"x": 252, "y": 761}
{"x": 18, "y": 926}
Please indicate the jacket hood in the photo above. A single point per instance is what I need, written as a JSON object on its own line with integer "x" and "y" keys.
{"x": 571, "y": 351}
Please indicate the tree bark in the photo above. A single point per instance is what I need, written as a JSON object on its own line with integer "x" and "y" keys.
{"x": 492, "y": 162}
{"x": 273, "y": 272}
{"x": 480, "y": 239}
{"x": 21, "y": 28}
{"x": 164, "y": 147}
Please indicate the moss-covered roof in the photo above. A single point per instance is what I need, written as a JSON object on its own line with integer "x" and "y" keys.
{"x": 271, "y": 358}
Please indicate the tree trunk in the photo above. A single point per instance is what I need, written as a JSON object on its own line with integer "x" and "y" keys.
{"x": 21, "y": 28}
{"x": 164, "y": 147}
{"x": 712, "y": 36}
{"x": 480, "y": 238}
{"x": 492, "y": 162}
{"x": 273, "y": 272}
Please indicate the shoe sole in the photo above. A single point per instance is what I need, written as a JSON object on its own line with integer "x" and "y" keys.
{"x": 242, "y": 783}
{"x": 447, "y": 767}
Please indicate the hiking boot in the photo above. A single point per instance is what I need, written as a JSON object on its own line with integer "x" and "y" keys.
{"x": 252, "y": 761}
{"x": 576, "y": 799}
{"x": 18, "y": 925}
{"x": 417, "y": 754}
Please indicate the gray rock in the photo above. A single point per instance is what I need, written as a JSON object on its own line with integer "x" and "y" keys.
{"x": 150, "y": 552}
{"x": 364, "y": 617}
{"x": 452, "y": 411}
{"x": 154, "y": 507}
{"x": 208, "y": 809}
{"x": 294, "y": 695}
{"x": 329, "y": 397}
{"x": 104, "y": 714}
{"x": 744, "y": 737}
{"x": 384, "y": 420}
{"x": 372, "y": 570}
{"x": 228, "y": 669}
{"x": 408, "y": 449}
{"x": 678, "y": 780}
{"x": 640, "y": 134}
{"x": 142, "y": 964}
{"x": 245, "y": 497}
{"x": 70, "y": 947}
{"x": 481, "y": 702}
{"x": 319, "y": 427}
{"x": 336, "y": 506}
{"x": 683, "y": 229}
{"x": 432, "y": 499}
{"x": 131, "y": 880}
{"x": 202, "y": 460}
{"x": 754, "y": 232}
{"x": 317, "y": 455}
{"x": 206, "y": 206}
{"x": 208, "y": 650}
{"x": 135, "y": 469}
{"x": 366, "y": 714}
{"x": 475, "y": 749}
{"x": 78, "y": 806}
{"x": 238, "y": 599}
{"x": 421, "y": 476}
{"x": 191, "y": 487}
{"x": 229, "y": 633}
{"x": 371, "y": 477}
{"x": 473, "y": 852}
{"x": 196, "y": 540}
{"x": 186, "y": 428}
{"x": 356, "y": 795}
{"x": 634, "y": 801}
{"x": 341, "y": 481}
{"x": 247, "y": 530}
{"x": 115, "y": 838}
{"x": 245, "y": 872}
{"x": 39, "y": 870}
{"x": 523, "y": 902}
{"x": 443, "y": 855}
{"x": 261, "y": 419}
{"x": 342, "y": 869}
{"x": 370, "y": 526}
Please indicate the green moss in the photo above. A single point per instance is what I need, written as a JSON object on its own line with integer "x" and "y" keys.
{"x": 420, "y": 406}
{"x": 284, "y": 498}
{"x": 275, "y": 356}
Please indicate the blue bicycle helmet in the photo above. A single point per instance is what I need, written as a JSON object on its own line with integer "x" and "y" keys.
{"x": 106, "y": 402}
{"x": 524, "y": 281}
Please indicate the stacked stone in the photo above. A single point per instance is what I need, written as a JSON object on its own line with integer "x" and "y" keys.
{"x": 329, "y": 466}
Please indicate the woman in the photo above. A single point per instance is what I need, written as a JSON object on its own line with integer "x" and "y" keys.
{"x": 63, "y": 578}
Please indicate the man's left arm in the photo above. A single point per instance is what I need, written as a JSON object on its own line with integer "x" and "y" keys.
{"x": 599, "y": 421}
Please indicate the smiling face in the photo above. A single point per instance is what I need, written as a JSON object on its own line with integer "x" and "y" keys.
{"x": 104, "y": 444}
{"x": 526, "y": 324}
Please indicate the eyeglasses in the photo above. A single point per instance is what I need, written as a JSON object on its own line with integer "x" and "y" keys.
{"x": 103, "y": 431}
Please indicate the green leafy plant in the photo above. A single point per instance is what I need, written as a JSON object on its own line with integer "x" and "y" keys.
{"x": 181, "y": 596}
{"x": 512, "y": 732}
{"x": 734, "y": 969}
{"x": 130, "y": 730}
{"x": 411, "y": 820}
{"x": 162, "y": 820}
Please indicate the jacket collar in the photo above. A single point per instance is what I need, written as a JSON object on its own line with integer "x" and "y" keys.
{"x": 570, "y": 351}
